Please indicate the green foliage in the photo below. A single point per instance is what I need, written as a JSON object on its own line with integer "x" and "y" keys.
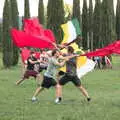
{"x": 112, "y": 34}
{"x": 90, "y": 25}
{"x": 118, "y": 20}
{"x": 41, "y": 12}
{"x": 76, "y": 10}
{"x": 108, "y": 22}
{"x": 97, "y": 25}
{"x": 0, "y": 34}
{"x": 26, "y": 9}
{"x": 84, "y": 24}
{"x": 77, "y": 14}
{"x": 15, "y": 24}
{"x": 6, "y": 39}
{"x": 55, "y": 17}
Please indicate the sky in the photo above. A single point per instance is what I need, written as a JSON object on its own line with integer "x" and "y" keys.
{"x": 34, "y": 6}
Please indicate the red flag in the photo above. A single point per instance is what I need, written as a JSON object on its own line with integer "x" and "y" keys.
{"x": 21, "y": 39}
{"x": 25, "y": 53}
{"x": 110, "y": 49}
{"x": 34, "y": 35}
{"x": 32, "y": 27}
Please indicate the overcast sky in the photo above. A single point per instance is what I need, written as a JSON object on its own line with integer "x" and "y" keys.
{"x": 34, "y": 6}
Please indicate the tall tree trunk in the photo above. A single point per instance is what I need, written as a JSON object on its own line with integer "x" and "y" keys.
{"x": 108, "y": 27}
{"x": 90, "y": 25}
{"x": 6, "y": 40}
{"x": 77, "y": 14}
{"x": 97, "y": 25}
{"x": 41, "y": 12}
{"x": 118, "y": 20}
{"x": 26, "y": 9}
{"x": 15, "y": 24}
{"x": 84, "y": 24}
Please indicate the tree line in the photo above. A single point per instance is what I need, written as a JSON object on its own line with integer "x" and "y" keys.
{"x": 100, "y": 25}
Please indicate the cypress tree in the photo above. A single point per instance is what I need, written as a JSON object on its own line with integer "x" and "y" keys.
{"x": 97, "y": 25}
{"x": 118, "y": 20}
{"x": 41, "y": 12}
{"x": 76, "y": 10}
{"x": 84, "y": 24}
{"x": 55, "y": 17}
{"x": 112, "y": 35}
{"x": 0, "y": 34}
{"x": 104, "y": 22}
{"x": 108, "y": 29}
{"x": 26, "y": 9}
{"x": 77, "y": 14}
{"x": 90, "y": 24}
{"x": 15, "y": 24}
{"x": 6, "y": 41}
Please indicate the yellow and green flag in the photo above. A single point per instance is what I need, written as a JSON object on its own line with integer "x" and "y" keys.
{"x": 71, "y": 30}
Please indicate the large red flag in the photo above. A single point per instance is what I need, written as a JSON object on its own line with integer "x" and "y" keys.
{"x": 32, "y": 27}
{"x": 34, "y": 35}
{"x": 21, "y": 39}
{"x": 110, "y": 49}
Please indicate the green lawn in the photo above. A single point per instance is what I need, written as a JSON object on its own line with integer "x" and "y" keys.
{"x": 102, "y": 85}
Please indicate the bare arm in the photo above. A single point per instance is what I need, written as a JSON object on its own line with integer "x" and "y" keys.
{"x": 67, "y": 57}
{"x": 60, "y": 63}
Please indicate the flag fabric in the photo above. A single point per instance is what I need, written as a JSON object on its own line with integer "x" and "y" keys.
{"x": 34, "y": 35}
{"x": 71, "y": 30}
{"x": 21, "y": 39}
{"x": 113, "y": 48}
{"x": 32, "y": 27}
{"x": 25, "y": 53}
{"x": 84, "y": 65}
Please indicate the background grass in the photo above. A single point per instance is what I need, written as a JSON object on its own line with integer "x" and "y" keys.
{"x": 102, "y": 85}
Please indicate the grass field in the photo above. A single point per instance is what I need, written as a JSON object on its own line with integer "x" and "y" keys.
{"x": 102, "y": 85}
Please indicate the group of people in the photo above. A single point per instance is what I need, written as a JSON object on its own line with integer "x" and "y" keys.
{"x": 102, "y": 62}
{"x": 51, "y": 61}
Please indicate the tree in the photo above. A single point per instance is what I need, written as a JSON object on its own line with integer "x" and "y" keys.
{"x": 112, "y": 33}
{"x": 84, "y": 24}
{"x": 118, "y": 20}
{"x": 104, "y": 22}
{"x": 90, "y": 24}
{"x": 55, "y": 17}
{"x": 6, "y": 41}
{"x": 0, "y": 33}
{"x": 108, "y": 27}
{"x": 77, "y": 14}
{"x": 15, "y": 24}
{"x": 26, "y": 9}
{"x": 41, "y": 12}
{"x": 76, "y": 10}
{"x": 97, "y": 25}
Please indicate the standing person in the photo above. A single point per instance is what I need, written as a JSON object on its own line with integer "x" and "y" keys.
{"x": 30, "y": 70}
{"x": 70, "y": 76}
{"x": 50, "y": 74}
{"x": 98, "y": 61}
